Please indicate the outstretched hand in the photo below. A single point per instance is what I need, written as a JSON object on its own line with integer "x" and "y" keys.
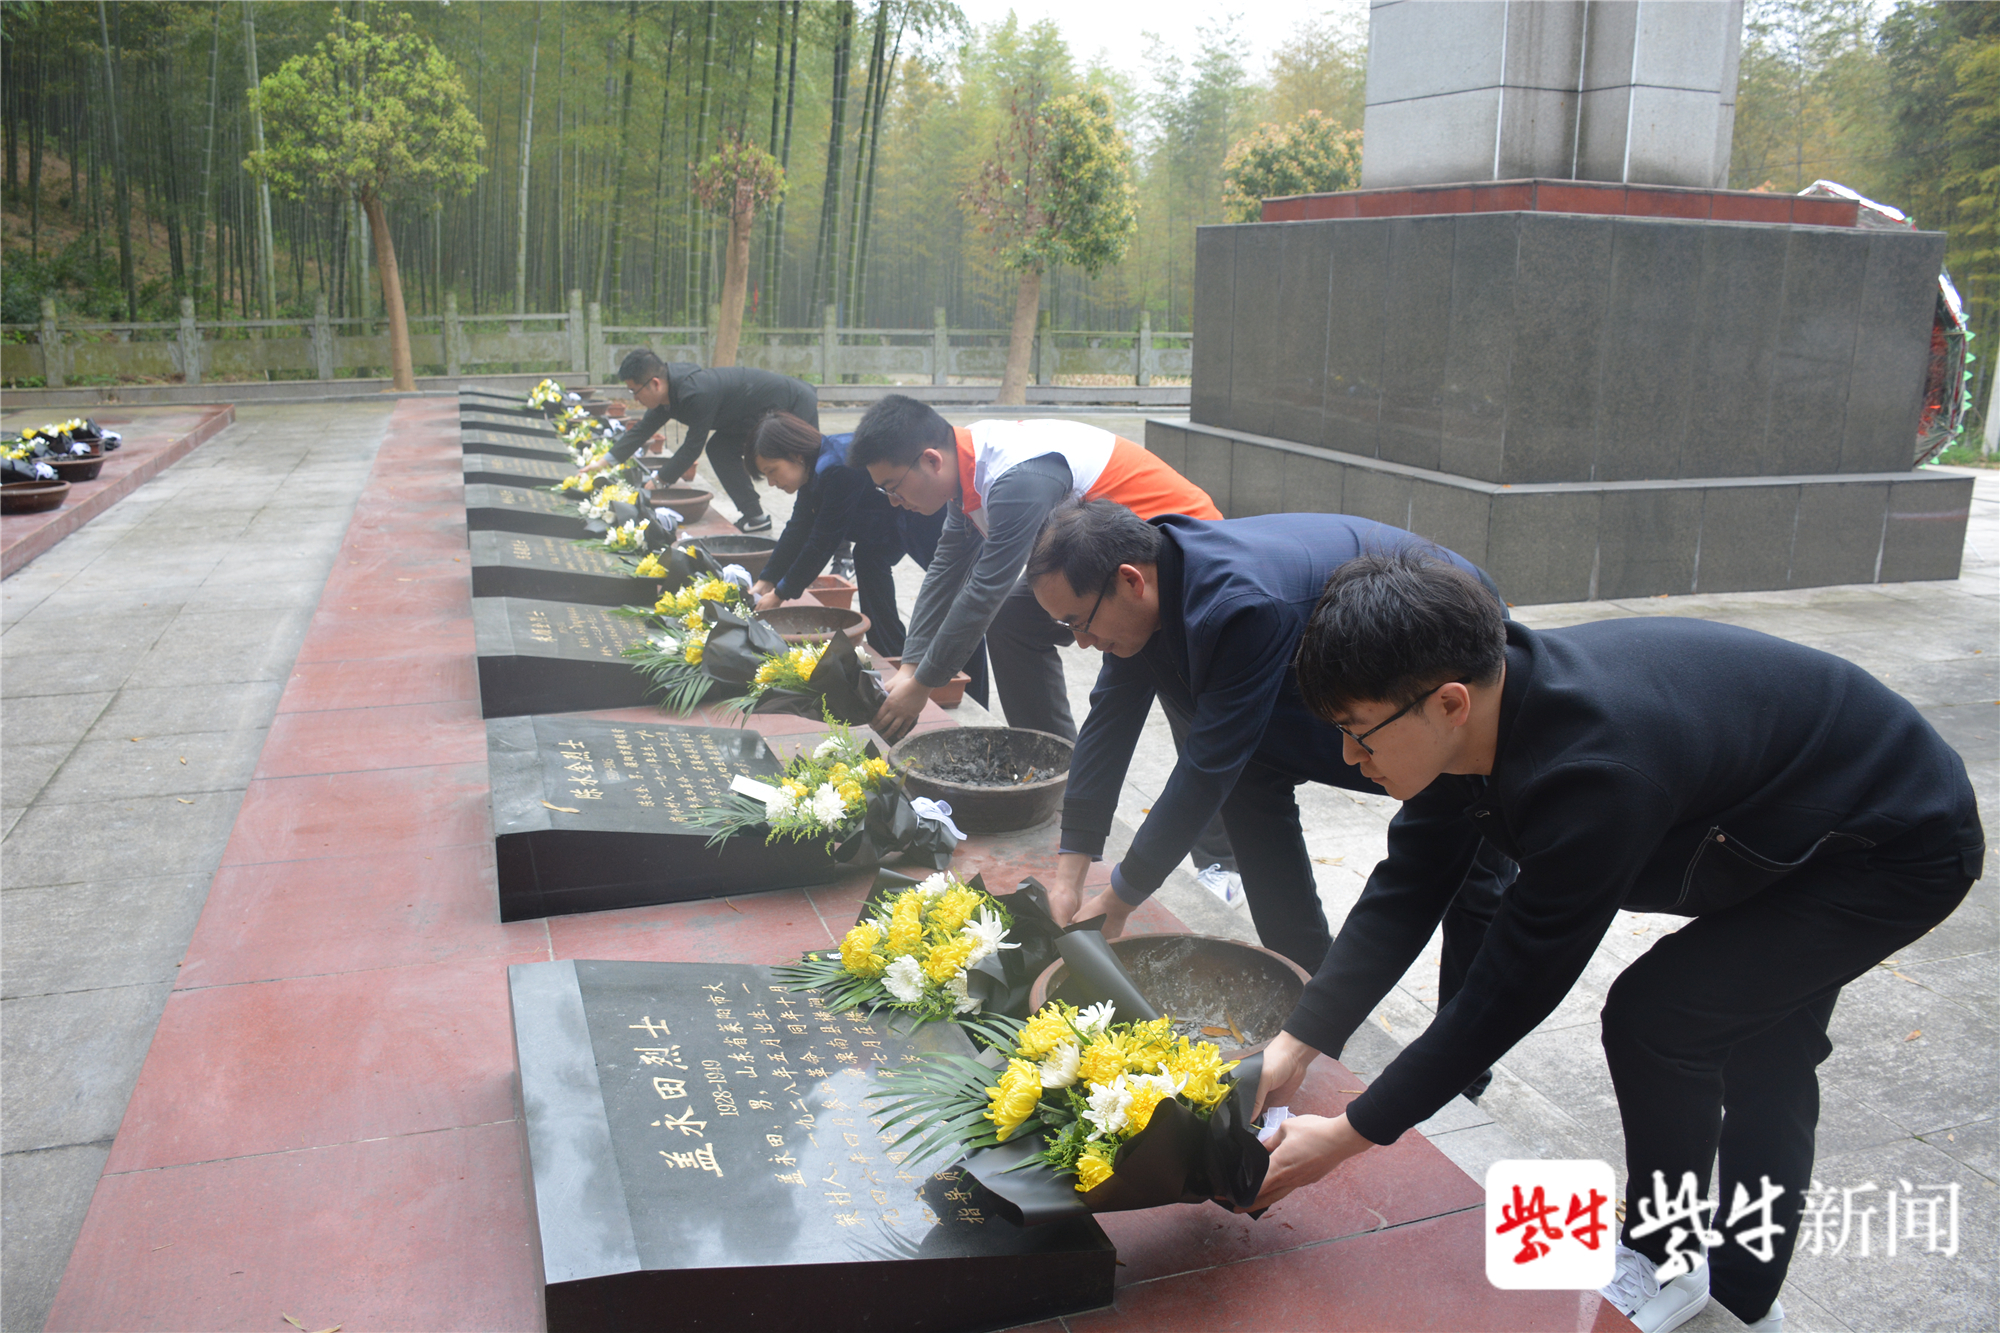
{"x": 1306, "y": 1149}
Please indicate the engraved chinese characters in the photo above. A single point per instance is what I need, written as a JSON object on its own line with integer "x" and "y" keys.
{"x": 589, "y": 814}
{"x": 535, "y": 510}
{"x": 760, "y": 1191}
{"x": 554, "y": 657}
{"x": 518, "y": 564}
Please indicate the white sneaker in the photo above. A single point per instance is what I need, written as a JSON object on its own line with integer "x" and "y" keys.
{"x": 1772, "y": 1322}
{"x": 1224, "y": 884}
{"x": 1635, "y": 1289}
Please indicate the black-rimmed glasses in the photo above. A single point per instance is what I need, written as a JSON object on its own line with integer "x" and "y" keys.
{"x": 1095, "y": 606}
{"x": 1362, "y": 739}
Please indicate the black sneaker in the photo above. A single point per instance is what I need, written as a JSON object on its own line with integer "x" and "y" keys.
{"x": 754, "y": 523}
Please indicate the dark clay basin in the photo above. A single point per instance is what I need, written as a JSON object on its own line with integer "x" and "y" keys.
{"x": 815, "y": 624}
{"x": 996, "y": 779}
{"x": 690, "y": 502}
{"x": 749, "y": 552}
{"x": 1204, "y": 984}
{"x": 32, "y": 497}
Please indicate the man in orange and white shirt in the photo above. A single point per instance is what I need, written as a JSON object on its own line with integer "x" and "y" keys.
{"x": 1001, "y": 480}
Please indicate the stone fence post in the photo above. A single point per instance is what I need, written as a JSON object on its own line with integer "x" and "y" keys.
{"x": 1144, "y": 376}
{"x": 190, "y": 344}
{"x": 593, "y": 344}
{"x": 829, "y": 344}
{"x": 454, "y": 333}
{"x": 322, "y": 338}
{"x": 52, "y": 348}
{"x": 574, "y": 328}
{"x": 940, "y": 348}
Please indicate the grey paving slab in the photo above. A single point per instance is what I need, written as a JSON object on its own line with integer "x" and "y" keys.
{"x": 1971, "y": 980}
{"x": 171, "y": 710}
{"x": 38, "y": 674}
{"x": 51, "y": 719}
{"x": 72, "y": 1060}
{"x": 42, "y": 1208}
{"x": 156, "y": 765}
{"x": 61, "y": 844}
{"x": 27, "y": 768}
{"x": 116, "y": 933}
{"x": 1976, "y": 1145}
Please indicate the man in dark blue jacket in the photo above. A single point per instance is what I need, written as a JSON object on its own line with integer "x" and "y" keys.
{"x": 1807, "y": 817}
{"x": 1205, "y": 616}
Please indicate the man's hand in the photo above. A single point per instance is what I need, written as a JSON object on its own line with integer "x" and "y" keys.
{"x": 1306, "y": 1148}
{"x": 1286, "y": 1060}
{"x": 1106, "y": 903}
{"x": 769, "y": 601}
{"x": 907, "y": 696}
{"x": 1066, "y": 892}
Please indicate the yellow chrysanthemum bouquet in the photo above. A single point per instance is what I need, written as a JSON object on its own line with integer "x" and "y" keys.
{"x": 912, "y": 952}
{"x": 546, "y": 394}
{"x": 677, "y": 632}
{"x": 821, "y": 795}
{"x": 1128, "y": 1114}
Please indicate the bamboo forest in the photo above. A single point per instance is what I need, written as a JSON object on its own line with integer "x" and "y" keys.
{"x": 141, "y": 168}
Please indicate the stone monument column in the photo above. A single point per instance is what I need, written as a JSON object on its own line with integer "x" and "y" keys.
{"x": 1635, "y": 91}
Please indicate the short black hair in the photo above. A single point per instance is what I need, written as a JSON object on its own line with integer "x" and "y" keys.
{"x": 896, "y": 430}
{"x": 1085, "y": 540}
{"x": 1391, "y": 626}
{"x": 641, "y": 365}
{"x": 782, "y": 435}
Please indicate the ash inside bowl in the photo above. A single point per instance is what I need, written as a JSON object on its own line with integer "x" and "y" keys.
{"x": 984, "y": 770}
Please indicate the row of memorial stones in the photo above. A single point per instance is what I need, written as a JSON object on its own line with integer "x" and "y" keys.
{"x": 701, "y": 1149}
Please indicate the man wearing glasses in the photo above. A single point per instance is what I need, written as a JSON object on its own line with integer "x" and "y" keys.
{"x": 1001, "y": 480}
{"x": 1206, "y": 617}
{"x": 1806, "y": 819}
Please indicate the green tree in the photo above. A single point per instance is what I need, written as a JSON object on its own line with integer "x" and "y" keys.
{"x": 377, "y": 113}
{"x": 737, "y": 180}
{"x": 1312, "y": 155}
{"x": 1058, "y": 190}
{"x": 1323, "y": 66}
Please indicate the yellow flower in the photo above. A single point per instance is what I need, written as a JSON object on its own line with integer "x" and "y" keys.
{"x": 714, "y": 590}
{"x": 1146, "y": 1098}
{"x": 691, "y": 654}
{"x": 1147, "y": 1044}
{"x": 1102, "y": 1061}
{"x": 1200, "y": 1068}
{"x": 1015, "y": 1099}
{"x": 946, "y": 960}
{"x": 1043, "y": 1033}
{"x": 850, "y": 793}
{"x": 876, "y": 769}
{"x": 693, "y": 620}
{"x": 836, "y": 774}
{"x": 906, "y": 926}
{"x": 953, "y": 909}
{"x": 651, "y": 568}
{"x": 1093, "y": 1168}
{"x": 767, "y": 672}
{"x": 857, "y": 951}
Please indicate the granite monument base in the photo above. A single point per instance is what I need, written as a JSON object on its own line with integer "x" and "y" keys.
{"x": 535, "y": 510}
{"x": 554, "y": 657}
{"x": 590, "y": 815}
{"x": 503, "y": 470}
{"x": 552, "y": 569}
{"x": 703, "y": 1157}
{"x": 499, "y": 442}
{"x": 1586, "y": 541}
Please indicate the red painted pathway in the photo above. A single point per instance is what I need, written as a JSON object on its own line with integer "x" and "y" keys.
{"x": 326, "y": 1124}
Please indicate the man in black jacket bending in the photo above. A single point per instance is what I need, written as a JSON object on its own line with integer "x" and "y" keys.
{"x": 720, "y": 408}
{"x": 1205, "y": 617}
{"x": 1808, "y": 818}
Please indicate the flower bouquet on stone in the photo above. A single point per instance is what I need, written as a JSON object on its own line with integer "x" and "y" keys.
{"x": 830, "y": 679}
{"x": 677, "y": 632}
{"x": 549, "y": 395}
{"x": 1077, "y": 1111}
{"x": 913, "y": 953}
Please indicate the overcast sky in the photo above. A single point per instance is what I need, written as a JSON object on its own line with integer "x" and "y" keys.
{"x": 1115, "y": 26}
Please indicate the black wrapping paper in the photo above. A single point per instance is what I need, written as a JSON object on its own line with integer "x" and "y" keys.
{"x": 840, "y": 687}
{"x": 890, "y": 826}
{"x": 736, "y": 646}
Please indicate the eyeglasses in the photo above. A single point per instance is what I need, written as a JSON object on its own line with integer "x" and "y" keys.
{"x": 891, "y": 491}
{"x": 1362, "y": 739}
{"x": 1084, "y": 628}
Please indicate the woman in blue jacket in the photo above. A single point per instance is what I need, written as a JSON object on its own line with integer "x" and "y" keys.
{"x": 836, "y": 503}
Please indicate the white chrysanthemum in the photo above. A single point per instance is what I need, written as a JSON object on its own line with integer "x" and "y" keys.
{"x": 827, "y": 807}
{"x": 780, "y": 804}
{"x": 829, "y": 748}
{"x": 1108, "y": 1104}
{"x": 933, "y": 885}
{"x": 1093, "y": 1021}
{"x": 905, "y": 979}
{"x": 1059, "y": 1065}
{"x": 989, "y": 930}
{"x": 963, "y": 1002}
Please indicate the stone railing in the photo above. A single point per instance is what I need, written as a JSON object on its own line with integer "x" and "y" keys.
{"x": 194, "y": 350}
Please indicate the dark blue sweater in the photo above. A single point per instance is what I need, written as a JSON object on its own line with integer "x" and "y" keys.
{"x": 1235, "y": 596}
{"x": 1656, "y": 765}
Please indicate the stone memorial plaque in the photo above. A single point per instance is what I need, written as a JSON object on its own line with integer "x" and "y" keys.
{"x": 553, "y": 569}
{"x": 590, "y": 815}
{"x": 497, "y": 443}
{"x": 704, "y": 1156}
{"x": 493, "y": 470}
{"x": 531, "y": 509}
{"x": 554, "y": 657}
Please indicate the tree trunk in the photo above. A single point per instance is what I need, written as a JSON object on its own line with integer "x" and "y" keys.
{"x": 826, "y": 255}
{"x": 527, "y": 153}
{"x": 735, "y": 284}
{"x": 614, "y": 294}
{"x": 122, "y": 186}
{"x": 267, "y": 273}
{"x": 776, "y": 245}
{"x": 1021, "y": 344}
{"x": 403, "y": 375}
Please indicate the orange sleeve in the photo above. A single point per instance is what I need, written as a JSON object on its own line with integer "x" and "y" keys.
{"x": 1144, "y": 484}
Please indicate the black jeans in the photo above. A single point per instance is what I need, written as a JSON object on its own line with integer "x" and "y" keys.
{"x": 875, "y": 581}
{"x": 1715, "y": 1035}
{"x": 726, "y": 453}
{"x": 1027, "y": 669}
{"x": 1212, "y": 847}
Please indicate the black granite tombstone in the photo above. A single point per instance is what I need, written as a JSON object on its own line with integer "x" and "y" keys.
{"x": 554, "y": 657}
{"x": 496, "y": 443}
{"x": 518, "y": 564}
{"x": 493, "y": 470}
{"x": 530, "y": 509}
{"x": 590, "y": 815}
{"x": 704, "y": 1157}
